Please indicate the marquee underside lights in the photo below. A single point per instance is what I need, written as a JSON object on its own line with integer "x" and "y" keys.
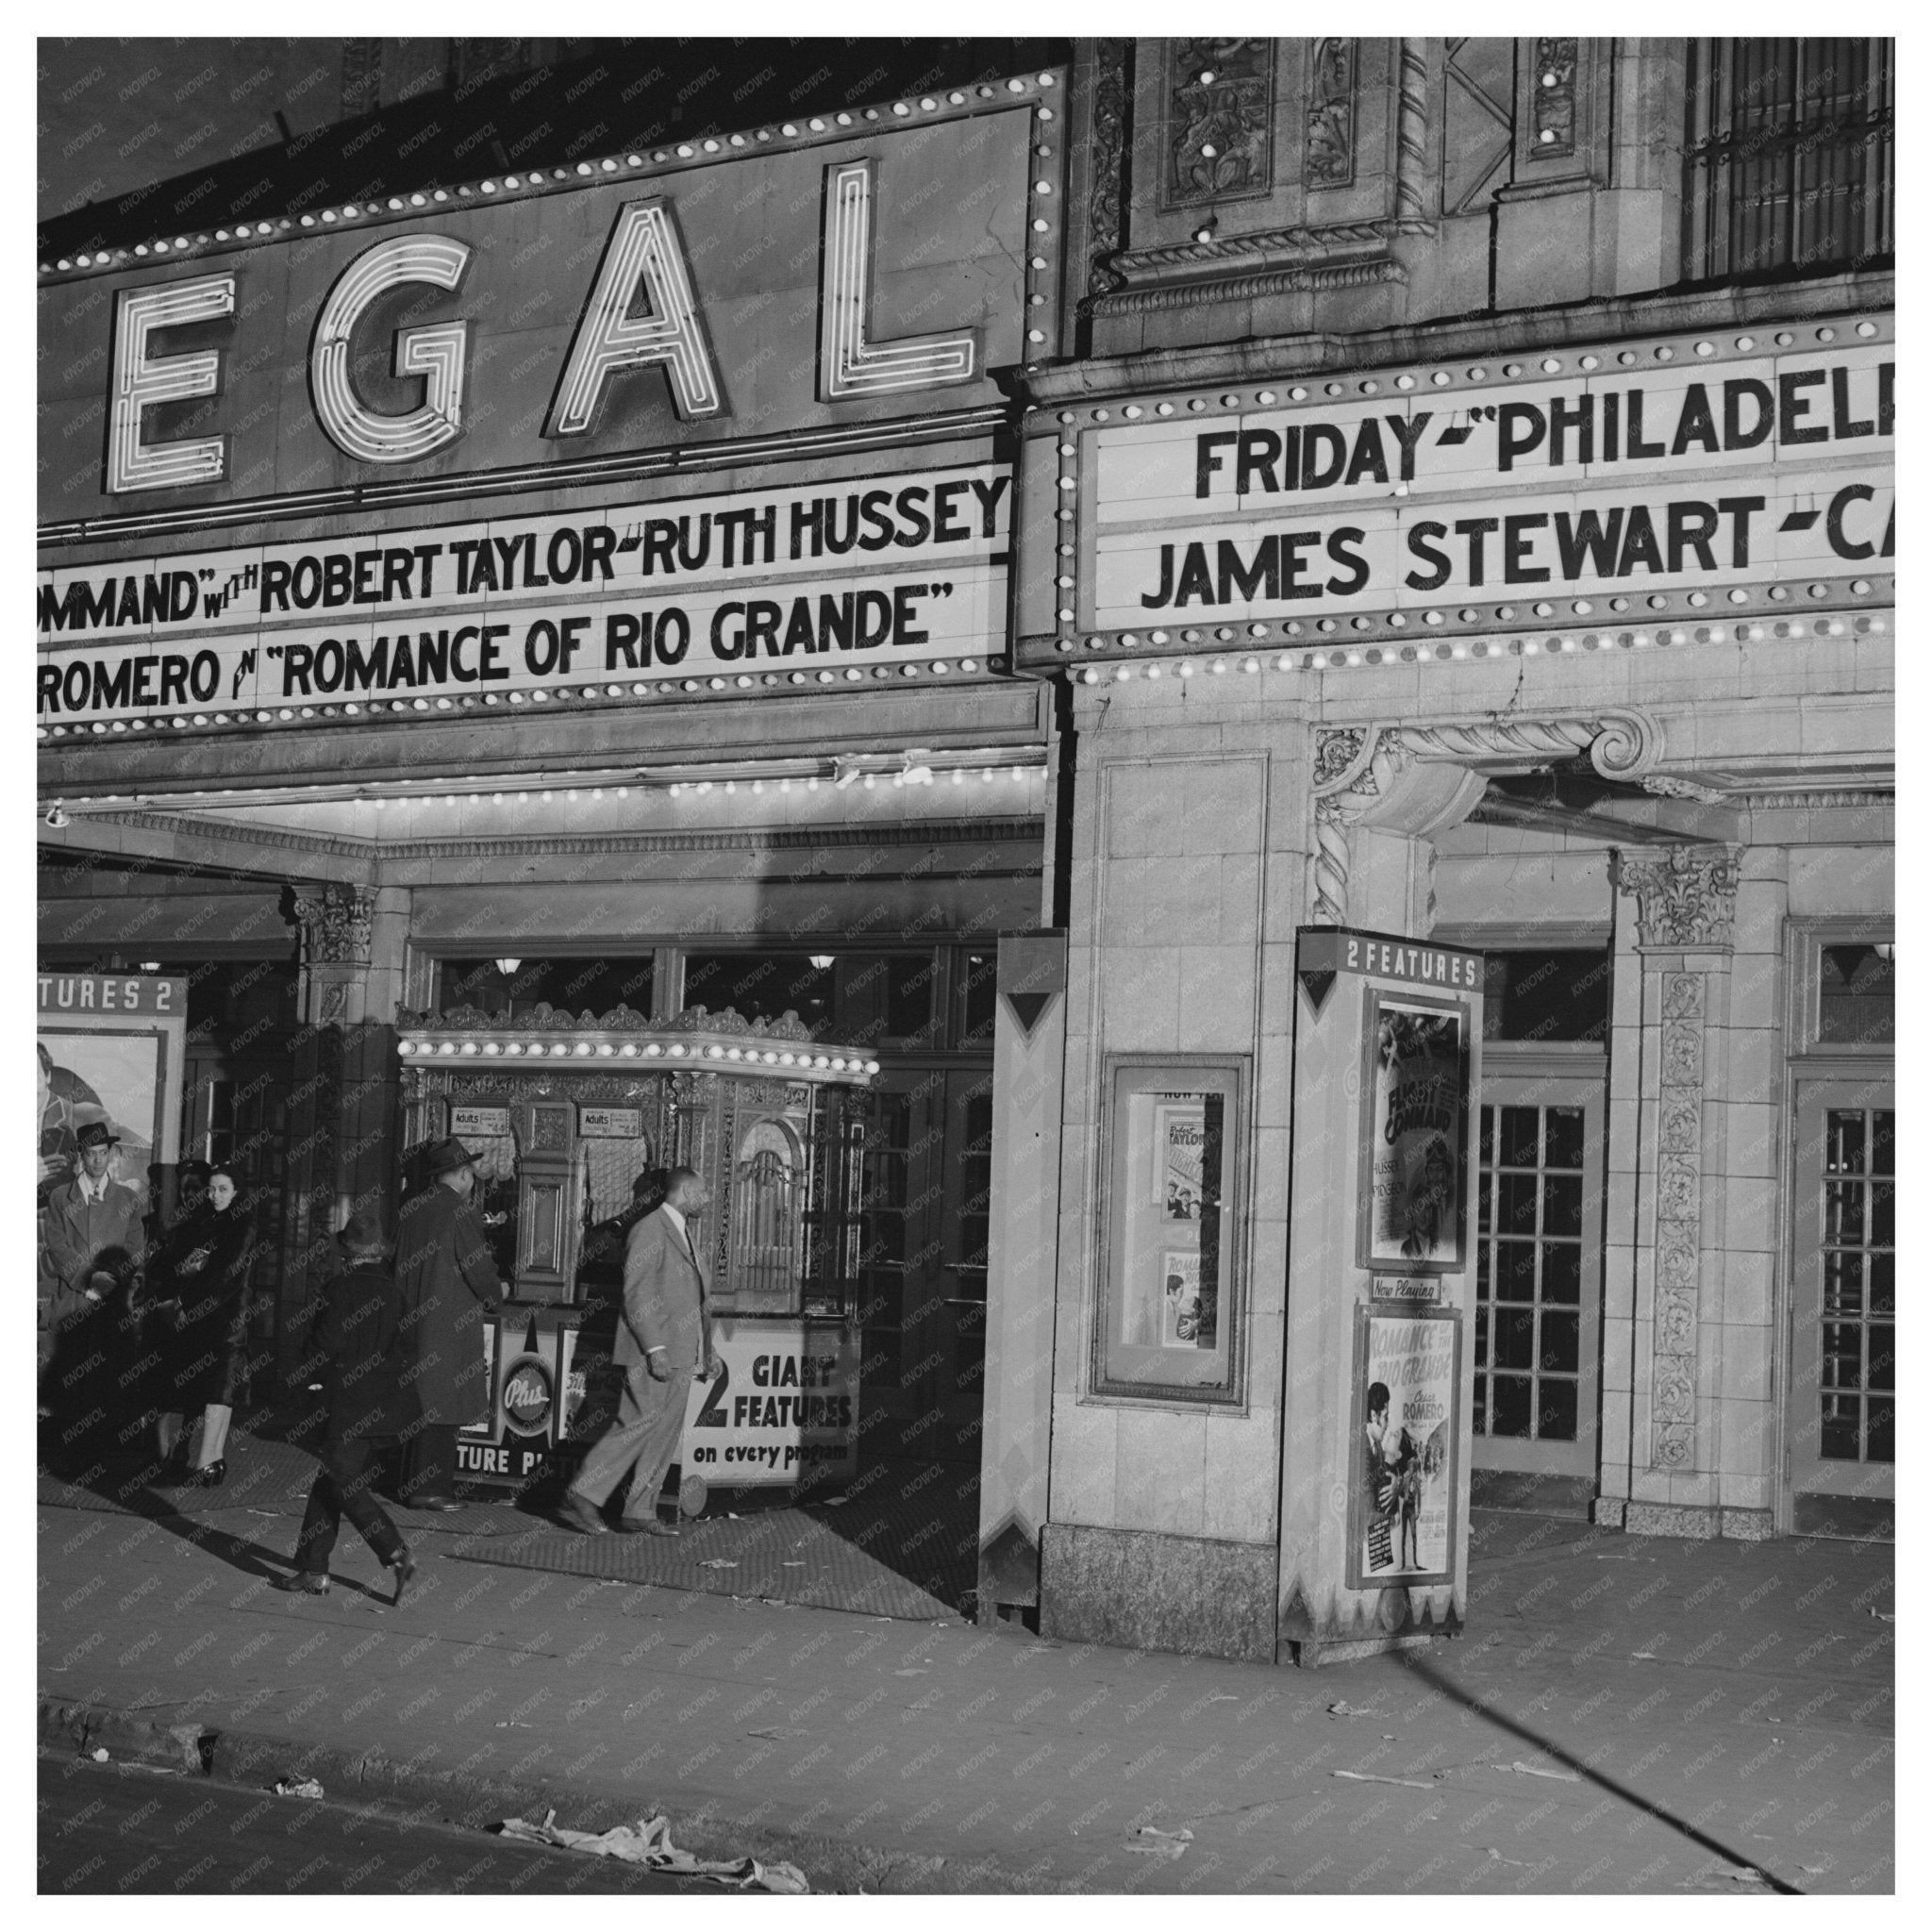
{"x": 437, "y": 352}
{"x": 849, "y": 365}
{"x": 1428, "y": 653}
{"x": 697, "y": 1041}
{"x": 143, "y": 380}
{"x": 884, "y": 772}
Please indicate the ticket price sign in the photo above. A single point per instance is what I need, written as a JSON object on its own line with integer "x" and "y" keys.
{"x": 1375, "y": 1441}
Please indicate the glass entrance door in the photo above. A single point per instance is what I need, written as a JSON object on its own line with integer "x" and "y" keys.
{"x": 1843, "y": 1388}
{"x": 1539, "y": 1275}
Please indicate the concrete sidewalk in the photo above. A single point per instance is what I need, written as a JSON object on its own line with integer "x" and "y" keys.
{"x": 1624, "y": 1714}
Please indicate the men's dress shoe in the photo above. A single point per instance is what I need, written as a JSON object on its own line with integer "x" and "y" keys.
{"x": 442, "y": 1505}
{"x": 574, "y": 1513}
{"x": 304, "y": 1582}
{"x": 404, "y": 1568}
{"x": 649, "y": 1525}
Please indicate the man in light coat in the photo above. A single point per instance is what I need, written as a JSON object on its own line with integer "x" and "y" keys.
{"x": 663, "y": 1341}
{"x": 448, "y": 1281}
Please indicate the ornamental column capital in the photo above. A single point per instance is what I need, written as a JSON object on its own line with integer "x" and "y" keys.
{"x": 1686, "y": 896}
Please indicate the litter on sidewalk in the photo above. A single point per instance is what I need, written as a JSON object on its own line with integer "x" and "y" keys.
{"x": 297, "y": 1788}
{"x": 648, "y": 1843}
{"x": 1156, "y": 1843}
{"x": 1569, "y": 1778}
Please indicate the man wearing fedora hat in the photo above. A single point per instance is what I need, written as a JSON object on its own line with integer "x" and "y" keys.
{"x": 448, "y": 1281}
{"x": 357, "y": 1319}
{"x": 91, "y": 1246}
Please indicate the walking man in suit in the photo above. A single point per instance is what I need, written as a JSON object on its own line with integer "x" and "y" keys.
{"x": 355, "y": 1338}
{"x": 663, "y": 1341}
{"x": 448, "y": 1282}
{"x": 93, "y": 1245}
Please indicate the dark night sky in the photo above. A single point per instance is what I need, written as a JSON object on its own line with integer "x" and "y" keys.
{"x": 139, "y": 137}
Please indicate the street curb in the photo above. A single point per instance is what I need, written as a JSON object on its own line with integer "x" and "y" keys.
{"x": 244, "y": 1757}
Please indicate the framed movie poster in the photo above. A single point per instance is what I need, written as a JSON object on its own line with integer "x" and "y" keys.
{"x": 1403, "y": 1442}
{"x": 110, "y": 1049}
{"x": 1174, "y": 1139}
{"x": 1413, "y": 1209}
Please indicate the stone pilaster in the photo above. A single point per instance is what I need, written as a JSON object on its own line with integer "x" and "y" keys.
{"x": 1684, "y": 898}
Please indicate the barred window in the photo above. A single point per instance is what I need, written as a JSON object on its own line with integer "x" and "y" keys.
{"x": 1788, "y": 155}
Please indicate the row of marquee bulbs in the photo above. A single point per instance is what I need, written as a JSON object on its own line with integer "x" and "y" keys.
{"x": 902, "y": 769}
{"x": 631, "y": 1050}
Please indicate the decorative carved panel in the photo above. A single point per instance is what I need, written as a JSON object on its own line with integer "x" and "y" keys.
{"x": 1680, "y": 1231}
{"x": 1552, "y": 133}
{"x": 335, "y": 921}
{"x": 1328, "y": 158}
{"x": 1107, "y": 152}
{"x": 1218, "y": 129}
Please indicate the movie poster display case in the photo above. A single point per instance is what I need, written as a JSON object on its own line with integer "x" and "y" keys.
{"x": 1171, "y": 1319}
{"x": 563, "y": 1111}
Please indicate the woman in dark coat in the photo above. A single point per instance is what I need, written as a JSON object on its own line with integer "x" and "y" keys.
{"x": 200, "y": 1276}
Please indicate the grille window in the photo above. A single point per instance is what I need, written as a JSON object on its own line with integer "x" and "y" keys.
{"x": 1788, "y": 155}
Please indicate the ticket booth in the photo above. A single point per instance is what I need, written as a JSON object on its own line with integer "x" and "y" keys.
{"x": 562, "y": 1112}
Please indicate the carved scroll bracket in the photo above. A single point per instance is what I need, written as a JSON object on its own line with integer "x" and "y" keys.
{"x": 1418, "y": 780}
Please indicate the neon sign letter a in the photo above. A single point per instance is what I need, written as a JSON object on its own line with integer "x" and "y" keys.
{"x": 644, "y": 246}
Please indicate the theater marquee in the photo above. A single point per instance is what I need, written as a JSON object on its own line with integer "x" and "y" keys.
{"x": 904, "y": 568}
{"x": 1760, "y": 464}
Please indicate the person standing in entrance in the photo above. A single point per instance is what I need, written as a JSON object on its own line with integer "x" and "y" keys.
{"x": 448, "y": 1282}
{"x": 663, "y": 1341}
{"x": 355, "y": 1342}
{"x": 93, "y": 1245}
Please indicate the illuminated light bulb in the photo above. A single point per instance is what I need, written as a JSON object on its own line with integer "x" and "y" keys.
{"x": 405, "y": 1046}
{"x": 732, "y": 1053}
{"x": 604, "y": 1050}
{"x": 819, "y": 1060}
{"x": 513, "y": 1048}
{"x": 715, "y": 1052}
{"x": 786, "y": 1059}
{"x": 839, "y": 1064}
{"x": 490, "y": 1049}
{"x": 1185, "y": 668}
{"x": 652, "y": 1050}
{"x": 676, "y": 1051}
{"x": 628, "y": 1051}
{"x": 469, "y": 1046}
{"x": 870, "y": 781}
{"x": 872, "y": 1066}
